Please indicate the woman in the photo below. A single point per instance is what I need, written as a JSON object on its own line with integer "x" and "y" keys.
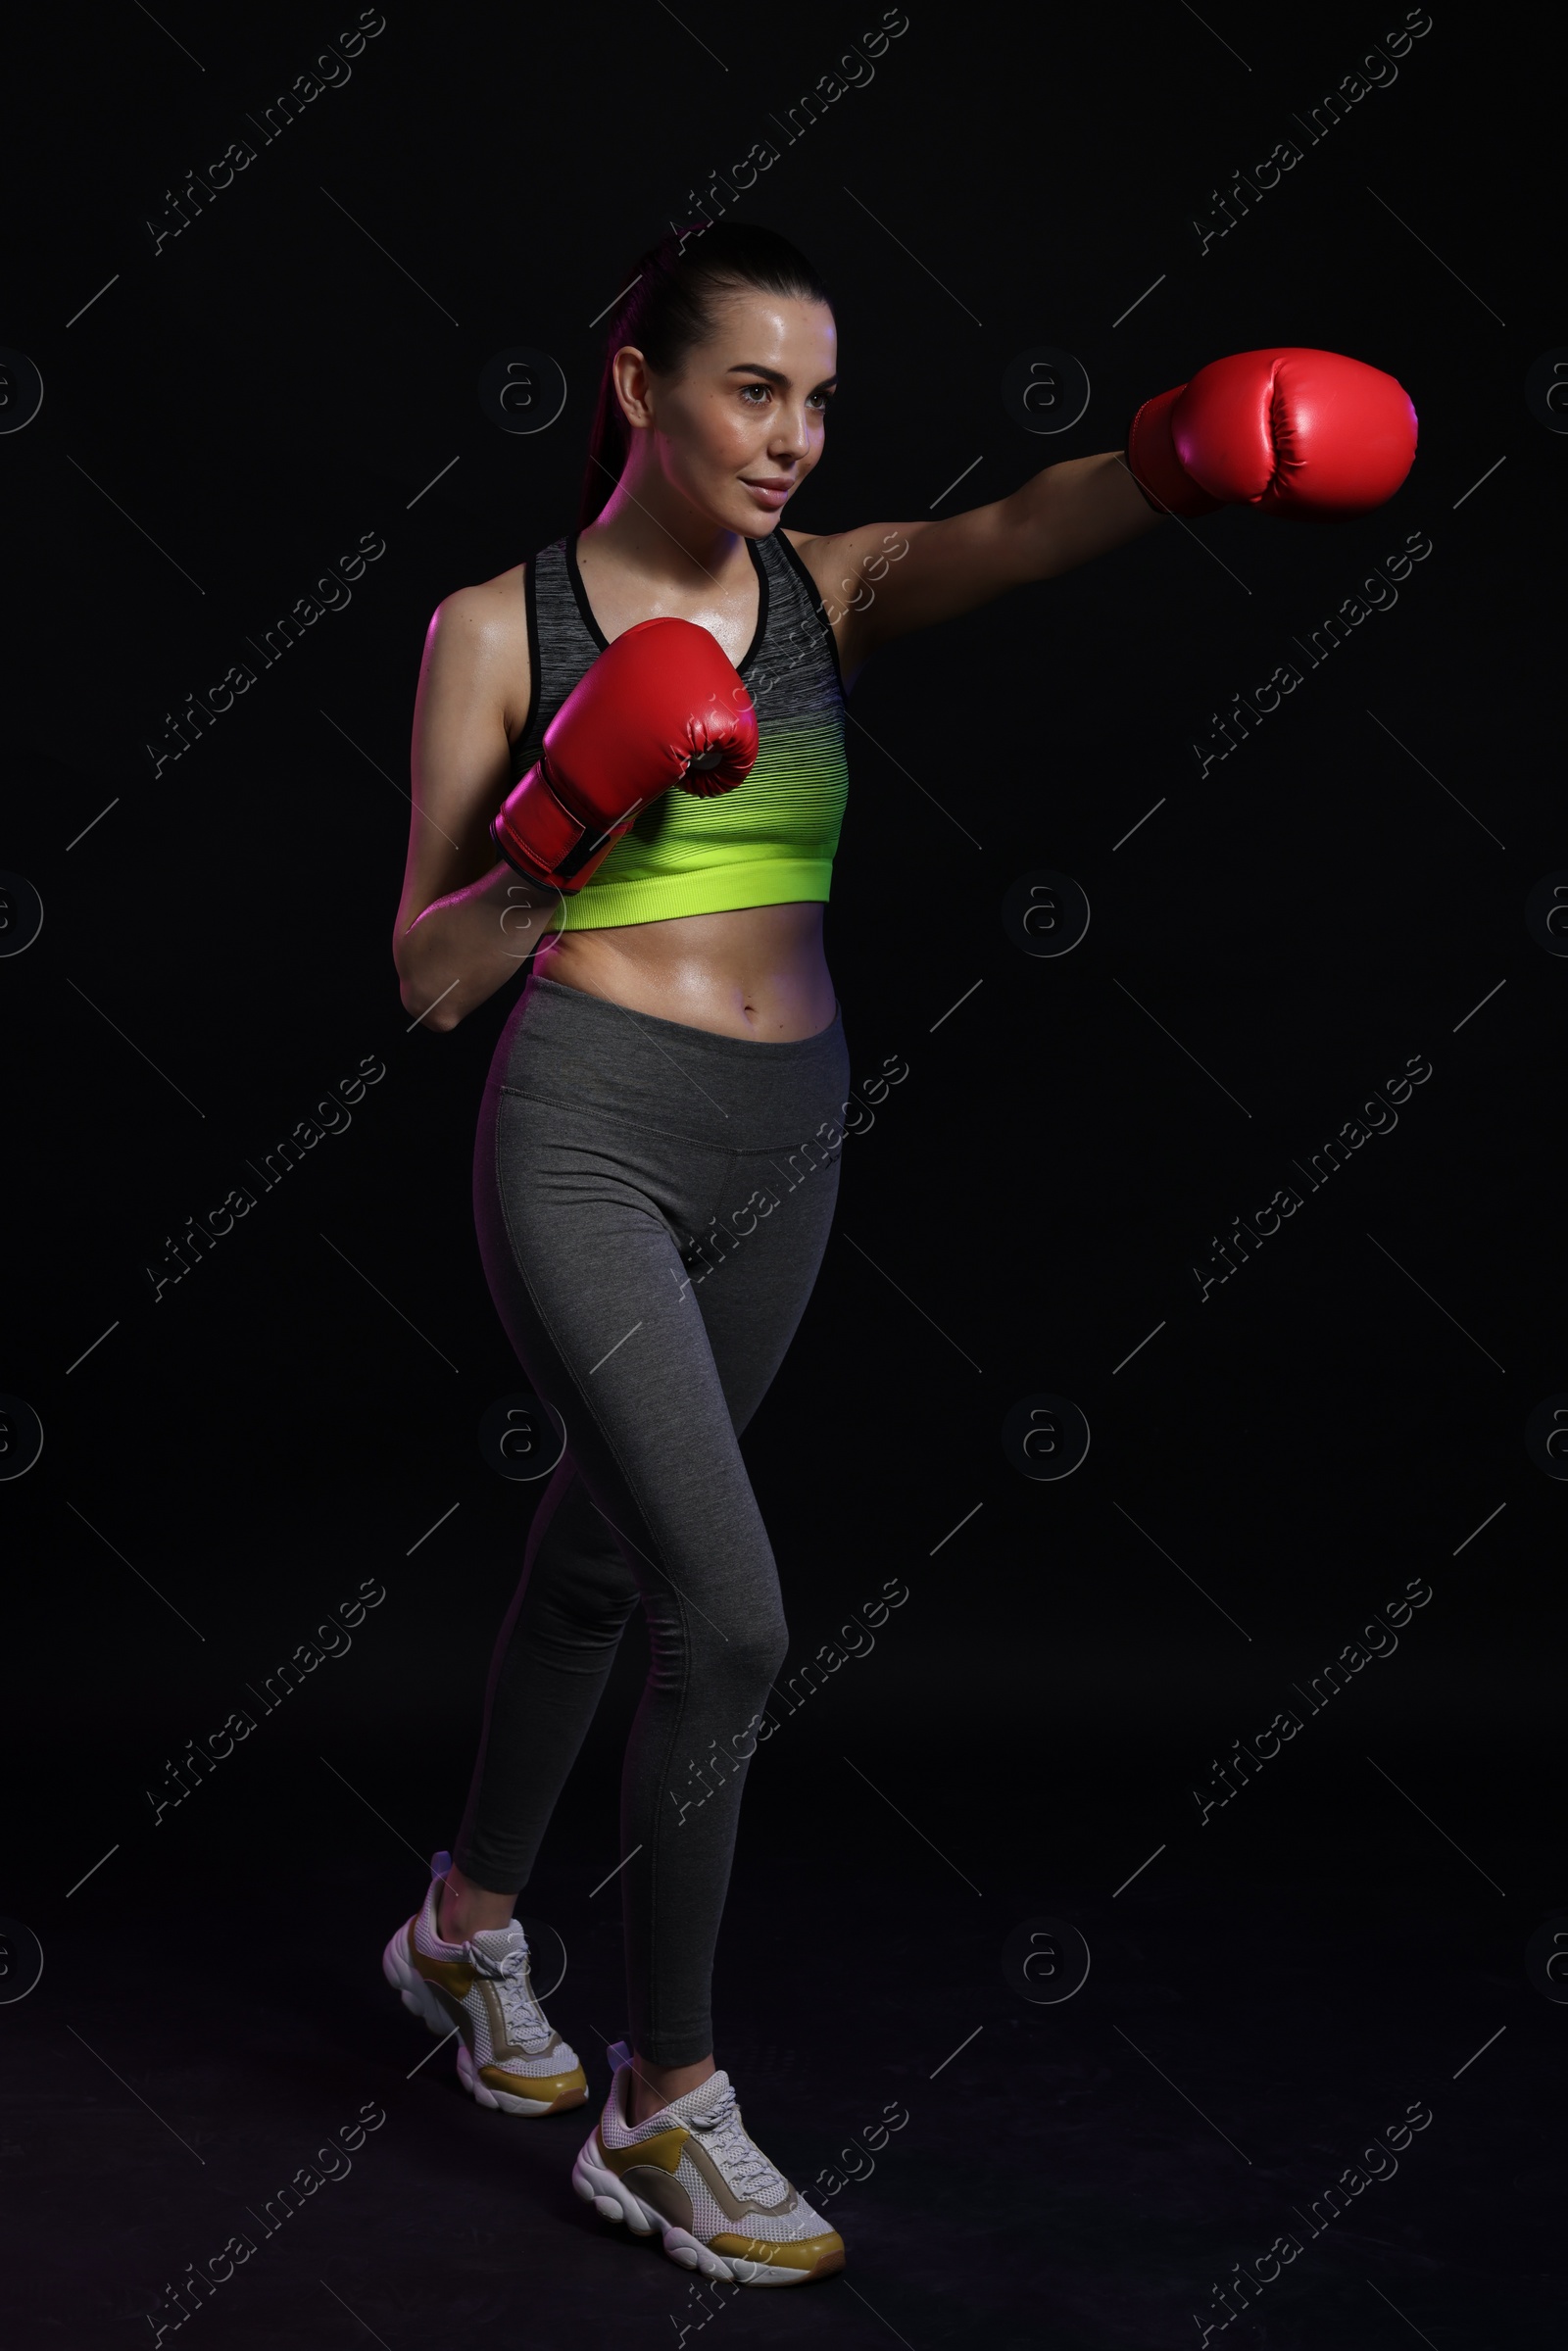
{"x": 670, "y": 1077}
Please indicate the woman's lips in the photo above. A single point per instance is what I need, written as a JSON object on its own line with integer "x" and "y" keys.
{"x": 770, "y": 494}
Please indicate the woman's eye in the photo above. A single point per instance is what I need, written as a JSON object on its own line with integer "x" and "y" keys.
{"x": 747, "y": 389}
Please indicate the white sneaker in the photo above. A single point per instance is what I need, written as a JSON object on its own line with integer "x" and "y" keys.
{"x": 691, "y": 2172}
{"x": 509, "y": 2056}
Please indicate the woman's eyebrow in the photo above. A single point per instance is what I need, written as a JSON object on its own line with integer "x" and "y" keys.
{"x": 774, "y": 376}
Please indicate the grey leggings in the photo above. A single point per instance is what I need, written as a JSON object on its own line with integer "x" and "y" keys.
{"x": 653, "y": 1202}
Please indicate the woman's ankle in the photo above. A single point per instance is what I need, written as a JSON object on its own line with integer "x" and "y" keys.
{"x": 464, "y": 1909}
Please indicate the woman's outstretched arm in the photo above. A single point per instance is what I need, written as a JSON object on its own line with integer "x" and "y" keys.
{"x": 1288, "y": 430}
{"x": 884, "y": 579}
{"x": 466, "y": 920}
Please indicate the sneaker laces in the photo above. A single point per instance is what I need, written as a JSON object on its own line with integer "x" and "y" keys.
{"x": 739, "y": 2157}
{"x": 527, "y": 2028}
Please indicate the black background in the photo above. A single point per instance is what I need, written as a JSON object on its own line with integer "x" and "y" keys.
{"x": 221, "y": 424}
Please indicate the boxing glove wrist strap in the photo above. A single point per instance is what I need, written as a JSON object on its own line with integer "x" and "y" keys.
{"x": 511, "y": 854}
{"x": 540, "y": 838}
{"x": 1154, "y": 466}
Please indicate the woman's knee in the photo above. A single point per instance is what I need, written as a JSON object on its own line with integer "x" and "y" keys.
{"x": 754, "y": 1653}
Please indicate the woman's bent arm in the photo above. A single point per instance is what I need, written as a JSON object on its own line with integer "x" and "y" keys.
{"x": 465, "y": 921}
{"x": 465, "y": 946}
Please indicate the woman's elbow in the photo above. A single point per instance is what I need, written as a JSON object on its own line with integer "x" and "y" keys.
{"x": 429, "y": 998}
{"x": 430, "y": 1011}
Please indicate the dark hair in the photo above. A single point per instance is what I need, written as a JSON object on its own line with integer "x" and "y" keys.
{"x": 669, "y": 310}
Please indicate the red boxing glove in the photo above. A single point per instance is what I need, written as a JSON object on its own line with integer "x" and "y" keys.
{"x": 1307, "y": 434}
{"x": 663, "y": 704}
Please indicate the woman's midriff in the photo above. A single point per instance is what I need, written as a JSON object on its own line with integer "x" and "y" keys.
{"x": 757, "y": 972}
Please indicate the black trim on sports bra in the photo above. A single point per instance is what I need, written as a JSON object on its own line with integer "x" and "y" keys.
{"x": 531, "y": 610}
{"x": 585, "y": 609}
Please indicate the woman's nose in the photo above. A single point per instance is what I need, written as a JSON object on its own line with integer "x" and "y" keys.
{"x": 792, "y": 434}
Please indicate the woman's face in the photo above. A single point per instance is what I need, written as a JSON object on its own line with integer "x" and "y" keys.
{"x": 739, "y": 427}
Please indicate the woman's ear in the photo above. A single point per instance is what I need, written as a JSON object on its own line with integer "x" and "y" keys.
{"x": 633, "y": 388}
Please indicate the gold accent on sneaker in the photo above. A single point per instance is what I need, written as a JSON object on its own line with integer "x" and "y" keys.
{"x": 664, "y": 2148}
{"x": 559, "y": 2089}
{"x": 454, "y": 1976}
{"x": 818, "y": 2256}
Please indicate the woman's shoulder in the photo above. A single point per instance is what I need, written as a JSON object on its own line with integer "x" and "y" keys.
{"x": 487, "y": 621}
{"x": 478, "y": 642}
{"x": 488, "y": 604}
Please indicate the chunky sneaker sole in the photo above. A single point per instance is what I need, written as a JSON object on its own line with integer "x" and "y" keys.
{"x": 481, "y": 1989}
{"x": 664, "y": 2180}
